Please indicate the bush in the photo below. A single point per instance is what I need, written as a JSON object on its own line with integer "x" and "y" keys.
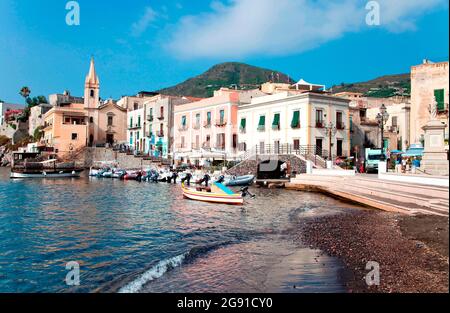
{"x": 38, "y": 133}
{"x": 4, "y": 140}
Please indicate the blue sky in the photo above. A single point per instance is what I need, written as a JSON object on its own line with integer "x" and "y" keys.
{"x": 146, "y": 45}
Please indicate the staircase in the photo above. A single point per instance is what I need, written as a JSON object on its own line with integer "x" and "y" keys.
{"x": 286, "y": 152}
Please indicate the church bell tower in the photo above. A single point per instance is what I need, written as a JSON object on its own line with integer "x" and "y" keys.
{"x": 92, "y": 88}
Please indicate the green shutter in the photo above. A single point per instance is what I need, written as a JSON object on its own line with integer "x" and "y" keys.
{"x": 243, "y": 123}
{"x": 439, "y": 96}
{"x": 262, "y": 122}
{"x": 139, "y": 121}
{"x": 276, "y": 121}
{"x": 295, "y": 119}
{"x": 208, "y": 118}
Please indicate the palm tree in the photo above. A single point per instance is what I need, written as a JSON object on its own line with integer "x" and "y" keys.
{"x": 25, "y": 92}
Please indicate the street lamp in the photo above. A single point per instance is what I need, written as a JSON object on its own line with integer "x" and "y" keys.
{"x": 331, "y": 131}
{"x": 382, "y": 119}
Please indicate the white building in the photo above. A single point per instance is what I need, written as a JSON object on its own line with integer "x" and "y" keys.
{"x": 293, "y": 120}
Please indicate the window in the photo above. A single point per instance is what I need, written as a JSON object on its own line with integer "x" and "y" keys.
{"x": 91, "y": 120}
{"x": 110, "y": 120}
{"x": 182, "y": 141}
{"x": 67, "y": 120}
{"x": 208, "y": 141}
{"x": 295, "y": 123}
{"x": 362, "y": 115}
{"x": 137, "y": 136}
{"x": 183, "y": 121}
{"x": 296, "y": 144}
{"x": 74, "y": 136}
{"x": 276, "y": 122}
{"x": 92, "y": 93}
{"x": 131, "y": 122}
{"x": 235, "y": 141}
{"x": 208, "y": 118}
{"x": 131, "y": 138}
{"x": 222, "y": 117}
{"x": 197, "y": 120}
{"x": 339, "y": 147}
{"x": 161, "y": 112}
{"x": 220, "y": 141}
{"x": 319, "y": 119}
{"x": 394, "y": 121}
{"x": 439, "y": 96}
{"x": 136, "y": 106}
{"x": 339, "y": 123}
{"x": 161, "y": 130}
{"x": 139, "y": 121}
{"x": 262, "y": 123}
{"x": 243, "y": 125}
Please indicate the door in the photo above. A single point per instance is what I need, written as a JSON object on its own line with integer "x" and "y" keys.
{"x": 261, "y": 147}
{"x": 296, "y": 144}
{"x": 276, "y": 146}
{"x": 110, "y": 138}
{"x": 339, "y": 147}
{"x": 319, "y": 146}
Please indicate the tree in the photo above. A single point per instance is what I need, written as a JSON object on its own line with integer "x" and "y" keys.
{"x": 31, "y": 102}
{"x": 38, "y": 133}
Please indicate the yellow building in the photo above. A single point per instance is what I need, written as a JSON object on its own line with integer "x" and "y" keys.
{"x": 71, "y": 126}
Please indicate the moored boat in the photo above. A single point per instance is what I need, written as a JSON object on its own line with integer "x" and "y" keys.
{"x": 217, "y": 194}
{"x": 35, "y": 165}
{"x": 246, "y": 180}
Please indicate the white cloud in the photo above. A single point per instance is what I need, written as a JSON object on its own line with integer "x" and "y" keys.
{"x": 139, "y": 27}
{"x": 240, "y": 28}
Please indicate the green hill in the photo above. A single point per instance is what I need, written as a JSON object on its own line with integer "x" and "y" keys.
{"x": 231, "y": 75}
{"x": 381, "y": 87}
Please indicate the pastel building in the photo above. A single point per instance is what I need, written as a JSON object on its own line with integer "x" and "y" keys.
{"x": 429, "y": 84}
{"x": 74, "y": 125}
{"x": 208, "y": 129}
{"x": 150, "y": 125}
{"x": 295, "y": 120}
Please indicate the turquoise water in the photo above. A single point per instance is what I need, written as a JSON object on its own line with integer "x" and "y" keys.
{"x": 141, "y": 237}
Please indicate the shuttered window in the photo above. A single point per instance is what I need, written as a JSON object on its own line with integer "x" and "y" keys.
{"x": 276, "y": 121}
{"x": 439, "y": 96}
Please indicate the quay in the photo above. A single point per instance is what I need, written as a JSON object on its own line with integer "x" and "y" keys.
{"x": 369, "y": 190}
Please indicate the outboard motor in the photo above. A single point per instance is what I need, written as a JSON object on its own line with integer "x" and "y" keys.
{"x": 221, "y": 179}
{"x": 245, "y": 192}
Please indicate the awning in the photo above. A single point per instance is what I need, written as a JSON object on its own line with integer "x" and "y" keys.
{"x": 413, "y": 152}
{"x": 276, "y": 120}
{"x": 243, "y": 123}
{"x": 295, "y": 119}
{"x": 262, "y": 122}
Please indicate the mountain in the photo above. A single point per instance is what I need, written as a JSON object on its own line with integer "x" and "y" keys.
{"x": 229, "y": 75}
{"x": 381, "y": 87}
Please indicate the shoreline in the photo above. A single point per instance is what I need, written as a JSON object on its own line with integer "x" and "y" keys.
{"x": 412, "y": 251}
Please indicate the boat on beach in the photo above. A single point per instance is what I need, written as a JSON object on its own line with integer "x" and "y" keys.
{"x": 218, "y": 193}
{"x": 246, "y": 180}
{"x": 35, "y": 165}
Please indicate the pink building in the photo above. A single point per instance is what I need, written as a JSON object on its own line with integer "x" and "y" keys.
{"x": 208, "y": 129}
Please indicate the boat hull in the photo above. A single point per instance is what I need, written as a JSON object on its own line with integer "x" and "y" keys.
{"x": 235, "y": 199}
{"x": 62, "y": 174}
{"x": 241, "y": 181}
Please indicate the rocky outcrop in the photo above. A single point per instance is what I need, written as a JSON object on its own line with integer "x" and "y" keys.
{"x": 249, "y": 166}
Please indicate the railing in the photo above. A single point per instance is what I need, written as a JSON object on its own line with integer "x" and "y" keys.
{"x": 160, "y": 133}
{"x": 161, "y": 117}
{"x": 320, "y": 124}
{"x": 309, "y": 152}
{"x": 195, "y": 146}
{"x": 242, "y": 130}
{"x": 207, "y": 124}
{"x": 181, "y": 146}
{"x": 221, "y": 123}
{"x": 133, "y": 126}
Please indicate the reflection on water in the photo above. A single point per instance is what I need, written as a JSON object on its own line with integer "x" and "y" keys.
{"x": 120, "y": 230}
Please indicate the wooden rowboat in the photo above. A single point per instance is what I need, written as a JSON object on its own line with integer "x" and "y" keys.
{"x": 219, "y": 194}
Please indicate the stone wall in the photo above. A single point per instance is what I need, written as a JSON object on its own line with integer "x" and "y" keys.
{"x": 123, "y": 160}
{"x": 249, "y": 166}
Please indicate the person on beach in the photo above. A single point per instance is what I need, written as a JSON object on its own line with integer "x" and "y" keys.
{"x": 187, "y": 179}
{"x": 404, "y": 162}
{"x": 283, "y": 169}
{"x": 174, "y": 177}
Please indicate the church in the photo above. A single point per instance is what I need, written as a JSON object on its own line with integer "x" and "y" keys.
{"x": 69, "y": 126}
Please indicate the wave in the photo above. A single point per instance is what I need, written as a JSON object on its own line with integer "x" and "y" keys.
{"x": 166, "y": 265}
{"x": 153, "y": 273}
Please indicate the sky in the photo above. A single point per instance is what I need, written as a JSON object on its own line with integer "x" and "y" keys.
{"x": 150, "y": 44}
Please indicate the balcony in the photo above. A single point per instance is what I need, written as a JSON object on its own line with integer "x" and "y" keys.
{"x": 207, "y": 124}
{"x": 150, "y": 118}
{"x": 261, "y": 128}
{"x": 160, "y": 133}
{"x": 220, "y": 147}
{"x": 196, "y": 126}
{"x": 195, "y": 146}
{"x": 275, "y": 127}
{"x": 221, "y": 123}
{"x": 183, "y": 128}
{"x": 320, "y": 124}
{"x": 206, "y": 145}
{"x": 161, "y": 117}
{"x": 242, "y": 130}
{"x": 340, "y": 125}
{"x": 180, "y": 146}
{"x": 134, "y": 126}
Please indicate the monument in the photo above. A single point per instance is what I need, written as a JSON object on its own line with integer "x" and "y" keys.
{"x": 434, "y": 161}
